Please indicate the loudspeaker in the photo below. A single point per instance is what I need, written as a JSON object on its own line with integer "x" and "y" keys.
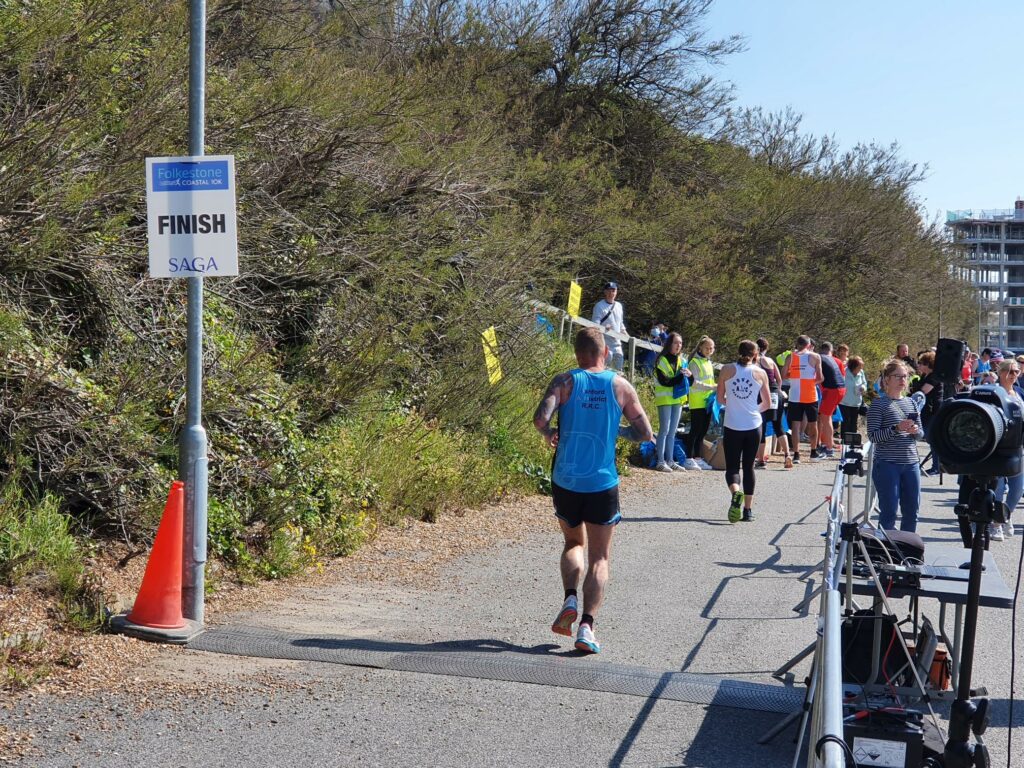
{"x": 949, "y": 359}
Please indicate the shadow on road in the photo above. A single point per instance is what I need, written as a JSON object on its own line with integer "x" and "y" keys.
{"x": 485, "y": 645}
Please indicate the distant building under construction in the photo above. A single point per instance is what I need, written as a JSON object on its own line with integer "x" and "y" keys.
{"x": 993, "y": 244}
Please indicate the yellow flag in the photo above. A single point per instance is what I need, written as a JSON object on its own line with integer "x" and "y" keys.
{"x": 491, "y": 356}
{"x": 575, "y": 292}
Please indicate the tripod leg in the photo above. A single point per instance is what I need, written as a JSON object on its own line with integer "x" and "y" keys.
{"x": 804, "y": 710}
{"x": 780, "y": 726}
{"x": 802, "y": 605}
{"x": 781, "y": 671}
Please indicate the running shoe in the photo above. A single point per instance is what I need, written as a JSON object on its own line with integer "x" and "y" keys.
{"x": 816, "y": 455}
{"x": 796, "y": 458}
{"x": 585, "y": 640}
{"x": 566, "y": 617}
{"x": 703, "y": 464}
{"x": 736, "y": 507}
{"x": 788, "y": 464}
{"x": 663, "y": 467}
{"x": 677, "y": 467}
{"x": 760, "y": 464}
{"x": 1008, "y": 530}
{"x": 827, "y": 453}
{"x": 748, "y": 515}
{"x": 995, "y": 532}
{"x": 692, "y": 465}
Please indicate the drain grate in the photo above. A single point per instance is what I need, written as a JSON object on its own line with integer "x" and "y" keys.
{"x": 495, "y": 660}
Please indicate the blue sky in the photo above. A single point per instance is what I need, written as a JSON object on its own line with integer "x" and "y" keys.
{"x": 943, "y": 79}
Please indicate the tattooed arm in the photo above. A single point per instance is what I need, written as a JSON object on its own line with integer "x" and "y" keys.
{"x": 557, "y": 393}
{"x": 639, "y": 429}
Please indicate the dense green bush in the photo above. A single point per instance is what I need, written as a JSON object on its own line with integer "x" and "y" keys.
{"x": 408, "y": 174}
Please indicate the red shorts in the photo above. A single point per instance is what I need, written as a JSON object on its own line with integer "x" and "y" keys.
{"x": 830, "y": 400}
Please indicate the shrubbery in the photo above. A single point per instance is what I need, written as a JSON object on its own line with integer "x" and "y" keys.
{"x": 408, "y": 173}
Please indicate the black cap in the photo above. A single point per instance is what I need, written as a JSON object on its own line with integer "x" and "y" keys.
{"x": 611, "y": 286}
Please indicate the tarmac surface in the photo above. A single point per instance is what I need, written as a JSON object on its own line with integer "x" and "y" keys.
{"x": 690, "y": 593}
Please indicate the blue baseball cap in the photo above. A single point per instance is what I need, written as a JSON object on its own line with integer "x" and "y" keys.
{"x": 611, "y": 287}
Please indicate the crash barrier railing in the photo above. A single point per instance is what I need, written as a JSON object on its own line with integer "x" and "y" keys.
{"x": 632, "y": 343}
{"x": 826, "y": 747}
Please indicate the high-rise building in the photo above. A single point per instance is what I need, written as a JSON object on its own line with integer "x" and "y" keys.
{"x": 993, "y": 244}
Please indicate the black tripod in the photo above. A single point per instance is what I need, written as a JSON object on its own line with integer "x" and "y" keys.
{"x": 967, "y": 715}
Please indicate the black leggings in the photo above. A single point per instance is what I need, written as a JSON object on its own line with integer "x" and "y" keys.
{"x": 741, "y": 448}
{"x": 850, "y": 414}
{"x": 773, "y": 416}
{"x": 700, "y": 420}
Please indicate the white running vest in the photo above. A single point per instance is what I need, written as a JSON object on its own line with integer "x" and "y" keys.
{"x": 741, "y": 391}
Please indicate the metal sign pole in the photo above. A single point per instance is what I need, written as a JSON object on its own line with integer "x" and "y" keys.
{"x": 192, "y": 446}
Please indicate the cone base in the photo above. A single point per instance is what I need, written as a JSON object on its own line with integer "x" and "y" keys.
{"x": 121, "y": 625}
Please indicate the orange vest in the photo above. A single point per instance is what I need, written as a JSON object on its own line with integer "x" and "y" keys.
{"x": 801, "y": 379}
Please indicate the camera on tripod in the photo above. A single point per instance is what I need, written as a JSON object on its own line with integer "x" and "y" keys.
{"x": 980, "y": 435}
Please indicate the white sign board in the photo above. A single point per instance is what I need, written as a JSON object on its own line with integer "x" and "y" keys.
{"x": 190, "y": 204}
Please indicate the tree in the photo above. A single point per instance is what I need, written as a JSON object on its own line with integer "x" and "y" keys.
{"x": 633, "y": 52}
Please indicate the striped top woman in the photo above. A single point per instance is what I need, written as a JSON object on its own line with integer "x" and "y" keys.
{"x": 894, "y": 427}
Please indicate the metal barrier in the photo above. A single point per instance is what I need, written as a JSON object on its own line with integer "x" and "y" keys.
{"x": 826, "y": 677}
{"x": 826, "y": 746}
{"x": 632, "y": 343}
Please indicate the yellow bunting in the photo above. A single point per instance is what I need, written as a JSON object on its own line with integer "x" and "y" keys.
{"x": 575, "y": 293}
{"x": 491, "y": 356}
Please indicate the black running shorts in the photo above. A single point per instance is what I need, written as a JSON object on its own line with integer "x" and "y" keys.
{"x": 598, "y": 508}
{"x": 796, "y": 411}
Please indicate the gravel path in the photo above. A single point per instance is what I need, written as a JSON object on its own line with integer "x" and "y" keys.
{"x": 689, "y": 593}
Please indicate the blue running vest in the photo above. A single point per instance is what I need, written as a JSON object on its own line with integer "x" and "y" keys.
{"x": 588, "y": 426}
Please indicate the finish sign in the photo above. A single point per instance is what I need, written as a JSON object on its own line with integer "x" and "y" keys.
{"x": 190, "y": 204}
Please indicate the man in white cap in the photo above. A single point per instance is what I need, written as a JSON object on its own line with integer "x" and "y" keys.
{"x": 608, "y": 314}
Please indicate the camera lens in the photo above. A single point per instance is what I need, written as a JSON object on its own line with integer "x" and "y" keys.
{"x": 972, "y": 431}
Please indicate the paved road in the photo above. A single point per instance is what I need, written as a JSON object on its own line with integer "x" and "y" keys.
{"x": 690, "y": 593}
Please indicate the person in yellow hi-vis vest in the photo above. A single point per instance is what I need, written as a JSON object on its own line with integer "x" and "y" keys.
{"x": 670, "y": 389}
{"x": 702, "y": 385}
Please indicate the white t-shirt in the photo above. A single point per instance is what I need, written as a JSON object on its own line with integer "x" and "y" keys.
{"x": 742, "y": 411}
{"x": 613, "y": 322}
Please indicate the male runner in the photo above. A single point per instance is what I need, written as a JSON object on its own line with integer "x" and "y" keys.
{"x": 803, "y": 369}
{"x": 589, "y": 401}
{"x": 833, "y": 390}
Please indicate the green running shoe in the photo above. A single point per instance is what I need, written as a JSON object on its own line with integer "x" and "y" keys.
{"x": 736, "y": 508}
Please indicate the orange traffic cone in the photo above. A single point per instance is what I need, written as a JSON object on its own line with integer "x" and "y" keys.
{"x": 159, "y": 601}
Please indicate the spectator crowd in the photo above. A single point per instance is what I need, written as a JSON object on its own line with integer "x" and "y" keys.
{"x": 815, "y": 396}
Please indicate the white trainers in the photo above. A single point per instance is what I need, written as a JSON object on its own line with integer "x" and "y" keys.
{"x": 703, "y": 464}
{"x": 662, "y": 467}
{"x": 1008, "y": 530}
{"x": 677, "y": 467}
{"x": 692, "y": 465}
{"x": 566, "y": 617}
{"x": 585, "y": 640}
{"x": 995, "y": 532}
